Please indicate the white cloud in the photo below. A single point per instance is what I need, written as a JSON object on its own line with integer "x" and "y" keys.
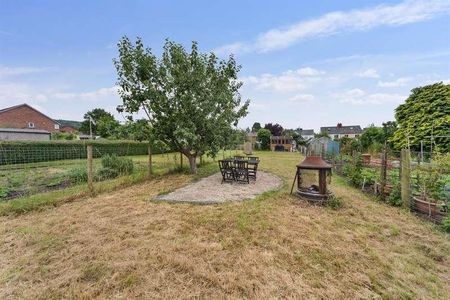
{"x": 396, "y": 83}
{"x": 289, "y": 81}
{"x": 16, "y": 93}
{"x": 90, "y": 96}
{"x": 369, "y": 73}
{"x": 360, "y": 97}
{"x": 302, "y": 98}
{"x": 13, "y": 71}
{"x": 409, "y": 11}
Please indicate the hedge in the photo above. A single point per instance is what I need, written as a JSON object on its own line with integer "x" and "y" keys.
{"x": 20, "y": 152}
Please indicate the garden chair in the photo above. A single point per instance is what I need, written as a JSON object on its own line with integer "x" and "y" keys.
{"x": 227, "y": 171}
{"x": 256, "y": 158}
{"x": 252, "y": 169}
{"x": 238, "y": 157}
{"x": 241, "y": 171}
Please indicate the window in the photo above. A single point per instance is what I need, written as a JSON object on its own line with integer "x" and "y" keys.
{"x": 336, "y": 136}
{"x": 346, "y": 135}
{"x": 57, "y": 126}
{"x": 30, "y": 125}
{"x": 356, "y": 135}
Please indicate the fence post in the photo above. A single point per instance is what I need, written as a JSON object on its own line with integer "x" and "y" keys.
{"x": 90, "y": 172}
{"x": 406, "y": 178}
{"x": 383, "y": 175}
{"x": 150, "y": 165}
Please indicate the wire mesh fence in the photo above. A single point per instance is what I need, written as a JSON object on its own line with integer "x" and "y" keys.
{"x": 29, "y": 168}
{"x": 417, "y": 180}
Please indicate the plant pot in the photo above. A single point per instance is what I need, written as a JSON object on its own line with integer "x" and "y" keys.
{"x": 428, "y": 209}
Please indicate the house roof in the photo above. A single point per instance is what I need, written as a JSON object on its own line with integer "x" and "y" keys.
{"x": 26, "y": 105}
{"x": 306, "y": 132}
{"x": 282, "y": 137}
{"x": 38, "y": 131}
{"x": 352, "y": 129}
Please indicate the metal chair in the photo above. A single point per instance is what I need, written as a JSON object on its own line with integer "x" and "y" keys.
{"x": 227, "y": 170}
{"x": 238, "y": 157}
{"x": 241, "y": 171}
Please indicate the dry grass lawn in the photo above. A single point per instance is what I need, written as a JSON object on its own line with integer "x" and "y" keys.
{"x": 121, "y": 245}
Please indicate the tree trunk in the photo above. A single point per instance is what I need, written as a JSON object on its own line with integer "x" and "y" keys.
{"x": 193, "y": 163}
{"x": 192, "y": 159}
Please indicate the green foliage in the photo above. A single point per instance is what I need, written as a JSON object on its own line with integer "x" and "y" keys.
{"x": 334, "y": 203}
{"x": 106, "y": 173}
{"x": 139, "y": 130}
{"x": 372, "y": 135}
{"x": 68, "y": 136}
{"x": 4, "y": 191}
{"x": 19, "y": 152}
{"x": 122, "y": 165}
{"x": 263, "y": 136}
{"x": 256, "y": 126}
{"x": 395, "y": 197}
{"x": 432, "y": 178}
{"x": 275, "y": 129}
{"x": 78, "y": 175}
{"x": 426, "y": 112}
{"x": 353, "y": 170}
{"x": 321, "y": 134}
{"x": 446, "y": 223}
{"x": 102, "y": 120}
{"x": 192, "y": 99}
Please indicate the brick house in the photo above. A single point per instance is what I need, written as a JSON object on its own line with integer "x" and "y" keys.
{"x": 24, "y": 116}
{"x": 281, "y": 143}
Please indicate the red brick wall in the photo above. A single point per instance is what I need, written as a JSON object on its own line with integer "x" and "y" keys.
{"x": 68, "y": 129}
{"x": 21, "y": 116}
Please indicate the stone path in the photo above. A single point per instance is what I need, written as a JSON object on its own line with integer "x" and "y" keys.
{"x": 210, "y": 190}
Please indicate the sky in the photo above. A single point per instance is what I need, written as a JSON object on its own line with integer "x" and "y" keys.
{"x": 304, "y": 64}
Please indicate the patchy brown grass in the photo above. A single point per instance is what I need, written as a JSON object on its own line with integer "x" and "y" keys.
{"x": 121, "y": 245}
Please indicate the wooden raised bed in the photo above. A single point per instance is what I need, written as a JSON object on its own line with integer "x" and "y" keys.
{"x": 434, "y": 211}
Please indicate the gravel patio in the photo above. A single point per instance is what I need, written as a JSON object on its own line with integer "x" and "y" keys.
{"x": 211, "y": 190}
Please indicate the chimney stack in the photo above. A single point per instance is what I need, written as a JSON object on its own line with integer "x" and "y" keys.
{"x": 339, "y": 125}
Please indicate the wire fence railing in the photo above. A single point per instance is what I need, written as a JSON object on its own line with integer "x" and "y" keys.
{"x": 415, "y": 180}
{"x": 28, "y": 169}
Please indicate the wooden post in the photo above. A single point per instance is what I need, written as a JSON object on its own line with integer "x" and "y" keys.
{"x": 406, "y": 178}
{"x": 150, "y": 165}
{"x": 90, "y": 171}
{"x": 383, "y": 175}
{"x": 322, "y": 182}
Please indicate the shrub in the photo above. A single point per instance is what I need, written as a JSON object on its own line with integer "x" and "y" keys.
{"x": 353, "y": 170}
{"x": 395, "y": 197}
{"x": 334, "y": 203}
{"x": 106, "y": 173}
{"x": 446, "y": 223}
{"x": 78, "y": 175}
{"x": 121, "y": 165}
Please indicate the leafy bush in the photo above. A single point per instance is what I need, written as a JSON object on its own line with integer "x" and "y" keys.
{"x": 395, "y": 197}
{"x": 106, "y": 173}
{"x": 121, "y": 165}
{"x": 78, "y": 175}
{"x": 446, "y": 223}
{"x": 4, "y": 191}
{"x": 353, "y": 170}
{"x": 334, "y": 203}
